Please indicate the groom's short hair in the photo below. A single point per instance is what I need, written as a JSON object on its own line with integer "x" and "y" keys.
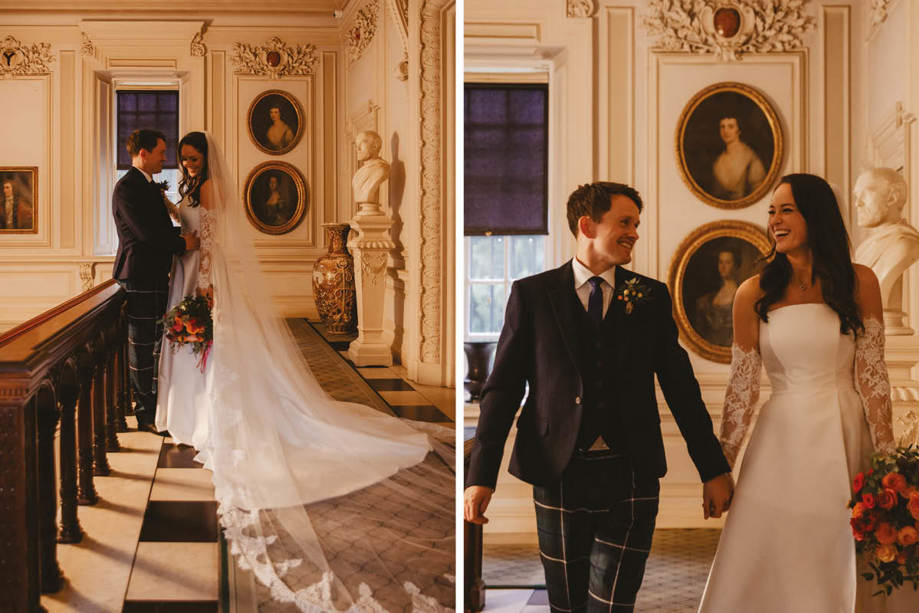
{"x": 595, "y": 199}
{"x": 143, "y": 139}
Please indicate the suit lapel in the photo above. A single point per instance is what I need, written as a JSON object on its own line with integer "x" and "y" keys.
{"x": 563, "y": 306}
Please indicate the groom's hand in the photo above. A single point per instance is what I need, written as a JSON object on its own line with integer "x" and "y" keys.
{"x": 717, "y": 494}
{"x": 475, "y": 501}
{"x": 192, "y": 241}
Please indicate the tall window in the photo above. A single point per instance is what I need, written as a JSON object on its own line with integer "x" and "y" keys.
{"x": 153, "y": 110}
{"x": 505, "y": 196}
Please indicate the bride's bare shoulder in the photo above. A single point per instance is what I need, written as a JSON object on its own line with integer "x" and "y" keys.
{"x": 748, "y": 292}
{"x": 207, "y": 194}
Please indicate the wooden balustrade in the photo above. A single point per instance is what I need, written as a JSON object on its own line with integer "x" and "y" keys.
{"x": 66, "y": 365}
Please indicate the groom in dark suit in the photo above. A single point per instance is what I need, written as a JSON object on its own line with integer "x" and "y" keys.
{"x": 588, "y": 338}
{"x": 147, "y": 240}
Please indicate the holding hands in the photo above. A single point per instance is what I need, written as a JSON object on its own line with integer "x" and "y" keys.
{"x": 717, "y": 494}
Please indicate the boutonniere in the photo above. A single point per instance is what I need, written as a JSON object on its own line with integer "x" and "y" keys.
{"x": 162, "y": 185}
{"x": 632, "y": 292}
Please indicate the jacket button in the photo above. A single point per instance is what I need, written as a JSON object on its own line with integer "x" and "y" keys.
{"x": 577, "y": 400}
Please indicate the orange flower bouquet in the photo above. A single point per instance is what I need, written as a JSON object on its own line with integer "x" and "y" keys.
{"x": 885, "y": 518}
{"x": 190, "y": 323}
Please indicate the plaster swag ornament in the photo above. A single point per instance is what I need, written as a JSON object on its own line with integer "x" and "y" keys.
{"x": 878, "y": 15}
{"x": 728, "y": 28}
{"x": 275, "y": 59}
{"x": 581, "y": 8}
{"x": 17, "y": 59}
{"x": 361, "y": 33}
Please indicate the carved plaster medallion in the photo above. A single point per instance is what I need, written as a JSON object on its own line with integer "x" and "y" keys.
{"x": 275, "y": 59}
{"x": 373, "y": 265}
{"x": 86, "y": 275}
{"x": 361, "y": 33}
{"x": 728, "y": 28}
{"x": 580, "y": 8}
{"x": 17, "y": 59}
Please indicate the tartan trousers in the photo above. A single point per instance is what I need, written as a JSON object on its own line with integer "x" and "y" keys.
{"x": 146, "y": 305}
{"x": 595, "y": 527}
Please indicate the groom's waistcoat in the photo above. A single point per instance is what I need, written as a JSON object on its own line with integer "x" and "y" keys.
{"x": 600, "y": 407}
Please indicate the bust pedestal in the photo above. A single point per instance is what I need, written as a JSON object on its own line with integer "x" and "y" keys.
{"x": 370, "y": 245}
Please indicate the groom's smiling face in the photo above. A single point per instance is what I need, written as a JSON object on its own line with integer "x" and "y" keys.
{"x": 613, "y": 237}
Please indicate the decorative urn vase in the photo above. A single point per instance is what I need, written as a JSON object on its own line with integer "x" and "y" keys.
{"x": 333, "y": 282}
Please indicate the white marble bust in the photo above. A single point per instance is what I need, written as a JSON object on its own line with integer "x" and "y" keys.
{"x": 890, "y": 245}
{"x": 373, "y": 170}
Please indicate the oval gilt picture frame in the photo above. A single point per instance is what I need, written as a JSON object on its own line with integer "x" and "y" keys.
{"x": 275, "y": 121}
{"x": 729, "y": 145}
{"x": 275, "y": 197}
{"x": 705, "y": 272}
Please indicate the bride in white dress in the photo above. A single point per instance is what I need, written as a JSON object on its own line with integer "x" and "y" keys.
{"x": 814, "y": 320}
{"x": 334, "y": 506}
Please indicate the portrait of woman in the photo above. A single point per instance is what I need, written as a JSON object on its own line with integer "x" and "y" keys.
{"x": 275, "y": 197}
{"x": 275, "y": 121}
{"x": 707, "y": 269}
{"x": 729, "y": 145}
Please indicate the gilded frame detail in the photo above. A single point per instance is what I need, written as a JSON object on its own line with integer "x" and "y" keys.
{"x": 276, "y": 209}
{"x": 697, "y": 281}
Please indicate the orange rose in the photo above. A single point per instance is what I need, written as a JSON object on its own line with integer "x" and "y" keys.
{"x": 887, "y": 499}
{"x": 886, "y": 534}
{"x": 858, "y": 510}
{"x": 907, "y": 536}
{"x": 870, "y": 520}
{"x": 886, "y": 553}
{"x": 894, "y": 481}
{"x": 913, "y": 505}
{"x": 901, "y": 558}
{"x": 869, "y": 500}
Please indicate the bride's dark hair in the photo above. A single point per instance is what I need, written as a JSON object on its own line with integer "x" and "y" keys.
{"x": 830, "y": 247}
{"x": 191, "y": 186}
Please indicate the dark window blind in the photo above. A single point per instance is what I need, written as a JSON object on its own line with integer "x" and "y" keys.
{"x": 506, "y": 140}
{"x": 150, "y": 110}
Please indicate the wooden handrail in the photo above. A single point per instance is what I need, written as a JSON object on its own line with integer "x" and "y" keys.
{"x": 60, "y": 362}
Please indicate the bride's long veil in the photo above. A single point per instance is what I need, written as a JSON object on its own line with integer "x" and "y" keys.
{"x": 332, "y": 505}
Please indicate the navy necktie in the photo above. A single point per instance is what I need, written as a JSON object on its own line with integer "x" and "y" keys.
{"x": 595, "y": 302}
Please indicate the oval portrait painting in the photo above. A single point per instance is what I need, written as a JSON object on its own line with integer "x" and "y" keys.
{"x": 707, "y": 269}
{"x": 276, "y": 197}
{"x": 275, "y": 121}
{"x": 729, "y": 145}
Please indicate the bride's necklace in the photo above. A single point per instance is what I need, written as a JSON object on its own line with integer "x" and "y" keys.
{"x": 802, "y": 285}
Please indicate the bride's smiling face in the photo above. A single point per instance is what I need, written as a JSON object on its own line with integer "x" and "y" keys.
{"x": 192, "y": 160}
{"x": 786, "y": 223}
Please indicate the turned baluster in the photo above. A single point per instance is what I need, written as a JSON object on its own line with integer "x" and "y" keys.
{"x": 122, "y": 406}
{"x": 85, "y": 430}
{"x": 111, "y": 399}
{"x": 46, "y": 410}
{"x": 101, "y": 467}
{"x": 70, "y": 531}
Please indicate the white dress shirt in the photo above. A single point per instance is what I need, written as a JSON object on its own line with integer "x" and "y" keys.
{"x": 582, "y": 276}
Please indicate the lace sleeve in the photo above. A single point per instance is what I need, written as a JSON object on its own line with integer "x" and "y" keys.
{"x": 739, "y": 399}
{"x": 873, "y": 385}
{"x": 205, "y": 233}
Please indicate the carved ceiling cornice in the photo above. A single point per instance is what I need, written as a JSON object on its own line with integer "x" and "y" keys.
{"x": 728, "y": 28}
{"x": 274, "y": 59}
{"x": 19, "y": 60}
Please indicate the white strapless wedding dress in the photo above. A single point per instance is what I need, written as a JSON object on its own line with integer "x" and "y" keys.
{"x": 181, "y": 402}
{"x": 787, "y": 545}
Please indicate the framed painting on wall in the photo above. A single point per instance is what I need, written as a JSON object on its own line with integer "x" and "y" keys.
{"x": 729, "y": 145}
{"x": 275, "y": 121}
{"x": 275, "y": 197}
{"x": 18, "y": 199}
{"x": 706, "y": 271}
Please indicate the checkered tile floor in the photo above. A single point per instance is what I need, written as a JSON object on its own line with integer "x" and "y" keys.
{"x": 674, "y": 577}
{"x": 178, "y": 560}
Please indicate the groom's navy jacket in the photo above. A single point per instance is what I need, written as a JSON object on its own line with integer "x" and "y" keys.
{"x": 146, "y": 237}
{"x": 539, "y": 346}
